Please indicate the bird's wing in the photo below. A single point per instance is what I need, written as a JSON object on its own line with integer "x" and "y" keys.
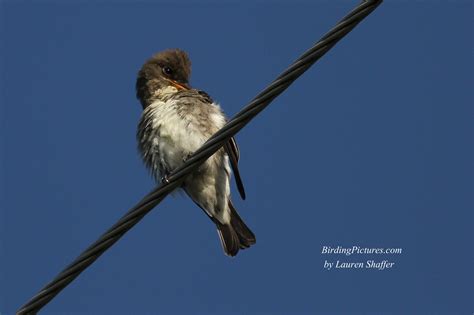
{"x": 234, "y": 154}
{"x": 230, "y": 147}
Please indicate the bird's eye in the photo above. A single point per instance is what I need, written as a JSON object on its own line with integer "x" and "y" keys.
{"x": 167, "y": 70}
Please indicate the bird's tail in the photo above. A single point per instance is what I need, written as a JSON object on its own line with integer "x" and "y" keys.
{"x": 235, "y": 235}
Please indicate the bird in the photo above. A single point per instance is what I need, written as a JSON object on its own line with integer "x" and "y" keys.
{"x": 176, "y": 121}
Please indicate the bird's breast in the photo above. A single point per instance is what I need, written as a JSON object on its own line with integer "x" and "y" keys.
{"x": 168, "y": 135}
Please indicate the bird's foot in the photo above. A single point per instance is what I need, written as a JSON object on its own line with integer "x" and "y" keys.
{"x": 186, "y": 157}
{"x": 165, "y": 179}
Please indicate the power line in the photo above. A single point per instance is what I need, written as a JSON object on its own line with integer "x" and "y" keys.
{"x": 260, "y": 102}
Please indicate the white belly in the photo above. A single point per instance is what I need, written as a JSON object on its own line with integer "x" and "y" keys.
{"x": 169, "y": 140}
{"x": 175, "y": 138}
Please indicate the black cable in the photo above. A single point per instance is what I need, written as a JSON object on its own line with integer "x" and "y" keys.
{"x": 175, "y": 179}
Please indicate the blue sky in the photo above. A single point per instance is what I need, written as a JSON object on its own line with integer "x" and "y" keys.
{"x": 371, "y": 147}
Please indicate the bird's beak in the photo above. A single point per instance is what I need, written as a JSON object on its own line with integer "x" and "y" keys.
{"x": 179, "y": 86}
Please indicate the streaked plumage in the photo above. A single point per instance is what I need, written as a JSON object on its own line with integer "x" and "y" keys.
{"x": 176, "y": 121}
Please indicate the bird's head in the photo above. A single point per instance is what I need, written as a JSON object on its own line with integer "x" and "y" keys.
{"x": 165, "y": 73}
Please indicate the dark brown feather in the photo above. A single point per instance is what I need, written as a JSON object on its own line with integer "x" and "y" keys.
{"x": 232, "y": 151}
{"x": 236, "y": 235}
{"x": 151, "y": 77}
{"x": 245, "y": 235}
{"x": 229, "y": 239}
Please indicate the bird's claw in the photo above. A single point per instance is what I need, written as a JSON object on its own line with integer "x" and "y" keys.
{"x": 165, "y": 179}
{"x": 186, "y": 157}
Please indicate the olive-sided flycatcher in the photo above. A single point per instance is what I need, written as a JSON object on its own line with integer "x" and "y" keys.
{"x": 176, "y": 121}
